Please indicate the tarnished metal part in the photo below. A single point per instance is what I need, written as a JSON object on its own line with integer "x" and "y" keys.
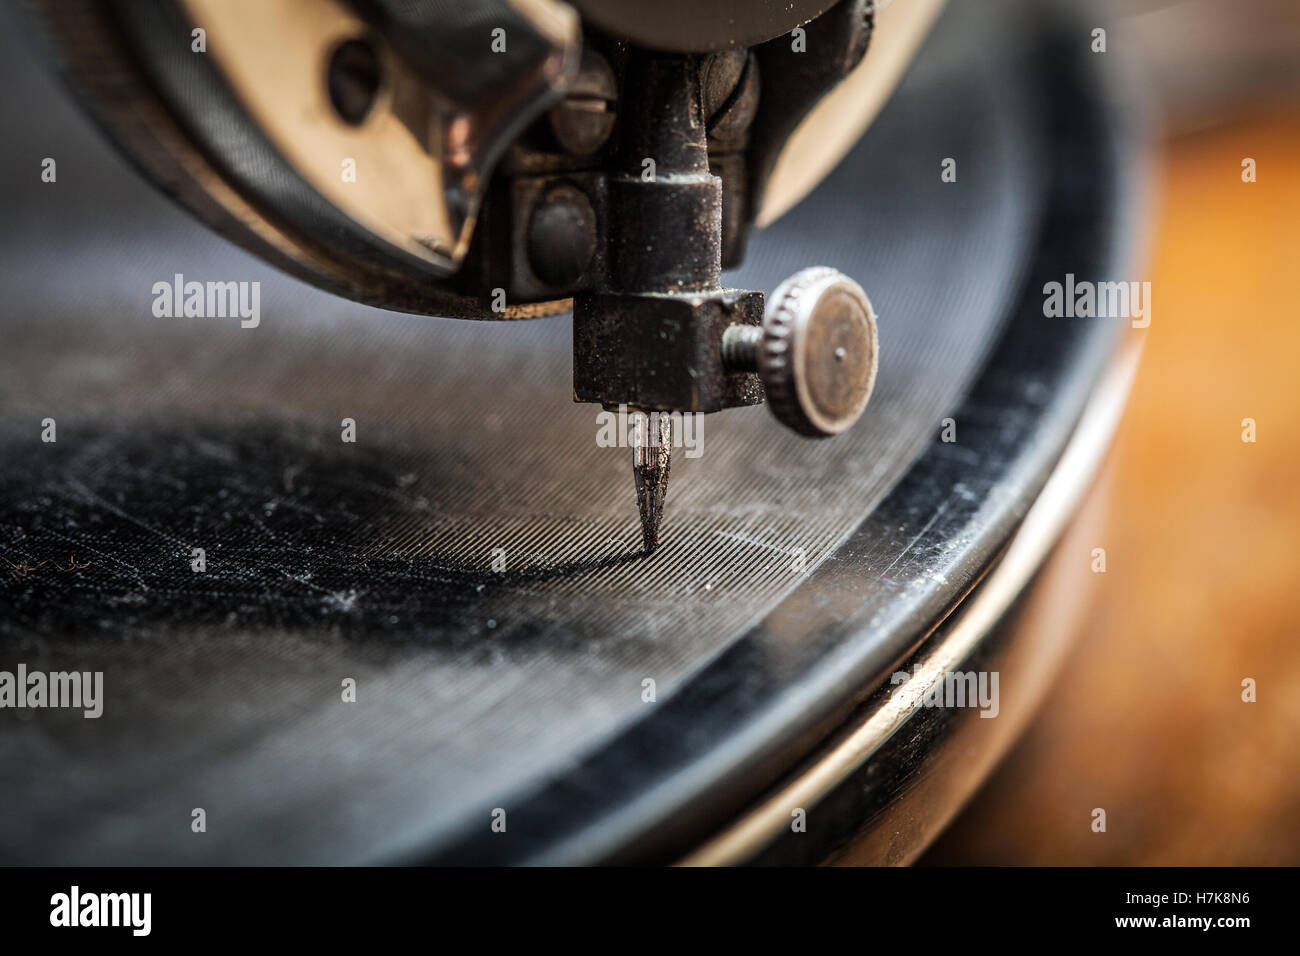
{"x": 652, "y": 449}
{"x": 666, "y": 204}
{"x": 659, "y": 333}
{"x": 818, "y": 352}
{"x": 662, "y": 352}
{"x": 730, "y": 87}
{"x": 562, "y": 236}
{"x": 583, "y": 121}
{"x": 650, "y": 336}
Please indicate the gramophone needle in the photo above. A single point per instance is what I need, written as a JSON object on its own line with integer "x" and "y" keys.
{"x": 652, "y": 444}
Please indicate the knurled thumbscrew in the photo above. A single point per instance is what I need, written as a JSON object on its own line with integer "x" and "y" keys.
{"x": 815, "y": 353}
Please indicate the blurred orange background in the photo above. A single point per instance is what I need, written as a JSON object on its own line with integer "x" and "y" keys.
{"x": 1202, "y": 539}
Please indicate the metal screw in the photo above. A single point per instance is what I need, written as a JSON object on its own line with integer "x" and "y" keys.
{"x": 562, "y": 236}
{"x": 815, "y": 352}
{"x": 583, "y": 120}
{"x": 740, "y": 345}
{"x": 730, "y": 85}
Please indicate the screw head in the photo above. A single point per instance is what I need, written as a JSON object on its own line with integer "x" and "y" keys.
{"x": 562, "y": 236}
{"x": 729, "y": 81}
{"x": 819, "y": 352}
{"x": 582, "y": 122}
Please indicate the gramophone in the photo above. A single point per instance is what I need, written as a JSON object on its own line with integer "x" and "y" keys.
{"x": 362, "y": 578}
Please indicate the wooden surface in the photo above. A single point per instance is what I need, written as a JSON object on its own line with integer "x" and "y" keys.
{"x": 1202, "y": 539}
